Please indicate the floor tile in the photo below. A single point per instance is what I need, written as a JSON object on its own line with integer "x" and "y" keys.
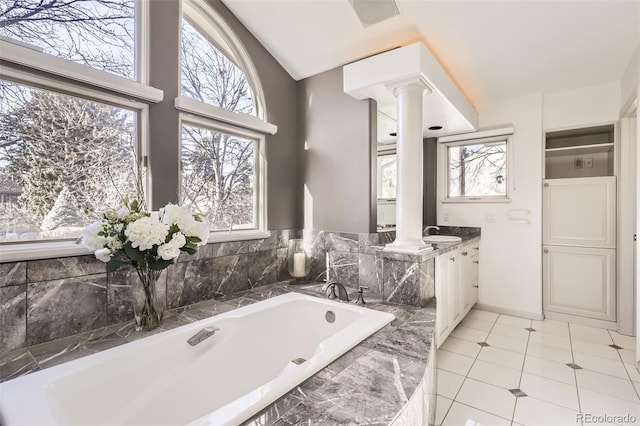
{"x": 502, "y": 357}
{"x": 453, "y": 362}
{"x": 627, "y": 342}
{"x": 559, "y": 328}
{"x": 598, "y": 404}
{"x": 590, "y": 334}
{"x": 550, "y": 391}
{"x": 600, "y": 365}
{"x": 448, "y": 383}
{"x": 477, "y": 324}
{"x": 633, "y": 372}
{"x": 463, "y": 415}
{"x": 510, "y": 331}
{"x": 442, "y": 407}
{"x": 483, "y": 315}
{"x": 534, "y": 412}
{"x": 627, "y": 356}
{"x": 552, "y": 353}
{"x": 595, "y": 349}
{"x": 550, "y": 339}
{"x": 461, "y": 346}
{"x": 470, "y": 334}
{"x": 507, "y": 343}
{"x": 494, "y": 374}
{"x": 608, "y": 385}
{"x": 549, "y": 369}
{"x": 488, "y": 398}
{"x": 514, "y": 321}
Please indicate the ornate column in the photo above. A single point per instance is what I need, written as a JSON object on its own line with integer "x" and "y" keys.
{"x": 409, "y": 191}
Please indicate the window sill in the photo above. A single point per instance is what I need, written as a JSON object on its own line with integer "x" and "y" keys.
{"x": 476, "y": 200}
{"x": 41, "y": 250}
{"x": 251, "y": 234}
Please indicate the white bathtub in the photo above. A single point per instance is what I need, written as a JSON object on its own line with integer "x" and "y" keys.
{"x": 162, "y": 380}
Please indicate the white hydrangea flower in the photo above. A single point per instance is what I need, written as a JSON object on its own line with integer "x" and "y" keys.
{"x": 171, "y": 250}
{"x": 103, "y": 254}
{"x": 90, "y": 237}
{"x": 114, "y": 243}
{"x": 123, "y": 212}
{"x": 176, "y": 215}
{"x": 146, "y": 232}
{"x": 200, "y": 230}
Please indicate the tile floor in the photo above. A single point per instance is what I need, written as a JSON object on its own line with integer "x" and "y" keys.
{"x": 501, "y": 370}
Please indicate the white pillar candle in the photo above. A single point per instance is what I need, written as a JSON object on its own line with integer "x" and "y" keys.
{"x": 299, "y": 263}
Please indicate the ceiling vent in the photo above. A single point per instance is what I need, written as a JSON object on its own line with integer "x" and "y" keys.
{"x": 371, "y": 12}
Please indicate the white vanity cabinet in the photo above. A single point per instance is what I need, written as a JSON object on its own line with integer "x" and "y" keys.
{"x": 456, "y": 284}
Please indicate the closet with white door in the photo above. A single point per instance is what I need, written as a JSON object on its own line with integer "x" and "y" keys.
{"x": 579, "y": 224}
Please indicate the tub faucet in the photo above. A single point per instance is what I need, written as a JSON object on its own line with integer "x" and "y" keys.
{"x": 426, "y": 230}
{"x": 330, "y": 290}
{"x": 202, "y": 335}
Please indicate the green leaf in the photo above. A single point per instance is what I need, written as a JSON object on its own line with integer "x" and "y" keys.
{"x": 113, "y": 265}
{"x": 195, "y": 239}
{"x": 189, "y": 250}
{"x": 133, "y": 253}
{"x": 159, "y": 265}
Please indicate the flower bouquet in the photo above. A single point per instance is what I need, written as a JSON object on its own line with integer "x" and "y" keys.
{"x": 148, "y": 241}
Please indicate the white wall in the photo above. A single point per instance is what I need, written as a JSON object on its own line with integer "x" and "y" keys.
{"x": 511, "y": 254}
{"x": 629, "y": 83}
{"x": 510, "y": 257}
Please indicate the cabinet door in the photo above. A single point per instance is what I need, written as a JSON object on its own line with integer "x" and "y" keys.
{"x": 443, "y": 322}
{"x": 579, "y": 281}
{"x": 466, "y": 277}
{"x": 455, "y": 289}
{"x": 580, "y": 212}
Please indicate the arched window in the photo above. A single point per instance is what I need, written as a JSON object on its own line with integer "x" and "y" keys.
{"x": 222, "y": 161}
{"x": 74, "y": 120}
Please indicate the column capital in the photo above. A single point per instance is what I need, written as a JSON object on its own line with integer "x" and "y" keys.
{"x": 415, "y": 83}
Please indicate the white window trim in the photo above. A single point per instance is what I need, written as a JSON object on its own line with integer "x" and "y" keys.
{"x": 260, "y": 201}
{"x": 11, "y": 251}
{"x": 487, "y": 136}
{"x": 213, "y": 112}
{"x": 203, "y": 15}
{"x": 32, "y": 59}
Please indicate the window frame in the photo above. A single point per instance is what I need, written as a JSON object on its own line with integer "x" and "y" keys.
{"x": 12, "y": 251}
{"x": 260, "y": 178}
{"x": 386, "y": 153}
{"x": 25, "y": 64}
{"x": 487, "y": 137}
{"x": 31, "y": 57}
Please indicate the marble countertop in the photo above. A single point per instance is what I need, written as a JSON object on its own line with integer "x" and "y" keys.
{"x": 369, "y": 384}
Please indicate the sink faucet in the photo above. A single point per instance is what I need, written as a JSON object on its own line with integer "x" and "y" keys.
{"x": 426, "y": 230}
{"x": 202, "y": 335}
{"x": 330, "y": 289}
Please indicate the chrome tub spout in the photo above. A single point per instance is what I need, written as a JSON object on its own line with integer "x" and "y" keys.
{"x": 202, "y": 335}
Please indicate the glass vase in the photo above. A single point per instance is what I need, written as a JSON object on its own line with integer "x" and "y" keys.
{"x": 298, "y": 259}
{"x": 148, "y": 299}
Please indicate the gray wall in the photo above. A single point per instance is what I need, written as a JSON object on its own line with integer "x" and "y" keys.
{"x": 336, "y": 150}
{"x": 280, "y": 92}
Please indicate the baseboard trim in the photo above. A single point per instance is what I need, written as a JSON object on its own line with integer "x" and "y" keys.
{"x": 512, "y": 312}
{"x": 574, "y": 319}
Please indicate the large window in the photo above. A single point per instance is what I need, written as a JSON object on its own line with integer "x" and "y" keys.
{"x": 97, "y": 33}
{"x": 62, "y": 160}
{"x": 219, "y": 176}
{"x": 74, "y": 120}
{"x": 477, "y": 170}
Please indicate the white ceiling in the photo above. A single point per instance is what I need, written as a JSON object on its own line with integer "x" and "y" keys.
{"x": 492, "y": 49}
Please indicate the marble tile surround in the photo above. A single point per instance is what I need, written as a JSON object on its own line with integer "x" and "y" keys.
{"x": 44, "y": 300}
{"x": 49, "y": 299}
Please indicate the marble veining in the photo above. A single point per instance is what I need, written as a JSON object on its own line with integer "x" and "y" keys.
{"x": 85, "y": 300}
{"x": 14, "y": 273}
{"x": 367, "y": 385}
{"x": 13, "y": 321}
{"x": 63, "y": 267}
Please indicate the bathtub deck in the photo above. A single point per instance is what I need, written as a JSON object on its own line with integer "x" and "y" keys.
{"x": 369, "y": 384}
